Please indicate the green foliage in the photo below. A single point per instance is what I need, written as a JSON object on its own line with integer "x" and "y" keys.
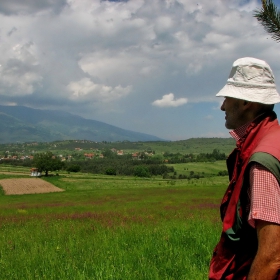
{"x": 46, "y": 162}
{"x": 121, "y": 166}
{"x": 141, "y": 171}
{"x": 189, "y": 146}
{"x": 73, "y": 168}
{"x": 162, "y": 164}
{"x": 201, "y": 157}
{"x": 109, "y": 154}
{"x": 17, "y": 163}
{"x": 110, "y": 171}
{"x": 269, "y": 18}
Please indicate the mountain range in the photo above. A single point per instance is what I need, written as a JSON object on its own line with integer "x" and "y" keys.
{"x": 24, "y": 124}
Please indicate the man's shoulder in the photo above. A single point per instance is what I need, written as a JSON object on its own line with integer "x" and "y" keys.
{"x": 268, "y": 161}
{"x": 271, "y": 133}
{"x": 270, "y": 143}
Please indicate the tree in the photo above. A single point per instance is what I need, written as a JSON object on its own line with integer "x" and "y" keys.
{"x": 141, "y": 171}
{"x": 269, "y": 18}
{"x": 46, "y": 162}
{"x": 73, "y": 168}
{"x": 109, "y": 154}
{"x": 110, "y": 171}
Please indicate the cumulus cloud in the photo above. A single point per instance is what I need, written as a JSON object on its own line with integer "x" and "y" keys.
{"x": 16, "y": 80}
{"x": 87, "y": 91}
{"x": 169, "y": 100}
{"x": 19, "y": 74}
{"x": 124, "y": 54}
{"x": 30, "y": 6}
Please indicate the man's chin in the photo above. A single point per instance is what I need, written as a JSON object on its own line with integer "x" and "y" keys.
{"x": 228, "y": 125}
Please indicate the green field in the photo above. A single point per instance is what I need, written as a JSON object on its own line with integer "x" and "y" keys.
{"x": 208, "y": 168}
{"x": 104, "y": 227}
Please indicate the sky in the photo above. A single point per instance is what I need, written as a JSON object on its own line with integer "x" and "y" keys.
{"x": 151, "y": 66}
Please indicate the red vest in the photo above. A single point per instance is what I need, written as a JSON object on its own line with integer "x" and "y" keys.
{"x": 233, "y": 255}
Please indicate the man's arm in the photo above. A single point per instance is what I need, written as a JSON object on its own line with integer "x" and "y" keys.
{"x": 267, "y": 261}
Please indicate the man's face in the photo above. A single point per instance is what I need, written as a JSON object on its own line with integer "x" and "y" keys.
{"x": 234, "y": 113}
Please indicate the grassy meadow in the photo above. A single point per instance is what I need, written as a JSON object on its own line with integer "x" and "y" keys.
{"x": 110, "y": 227}
{"x": 209, "y": 169}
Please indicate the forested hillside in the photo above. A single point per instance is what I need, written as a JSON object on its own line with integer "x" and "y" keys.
{"x": 23, "y": 124}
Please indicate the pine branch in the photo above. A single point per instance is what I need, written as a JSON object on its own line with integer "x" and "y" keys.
{"x": 269, "y": 18}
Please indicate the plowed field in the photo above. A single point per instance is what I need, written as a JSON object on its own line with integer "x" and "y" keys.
{"x": 27, "y": 186}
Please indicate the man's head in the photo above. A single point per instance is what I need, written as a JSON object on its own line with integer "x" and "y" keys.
{"x": 250, "y": 91}
{"x": 239, "y": 112}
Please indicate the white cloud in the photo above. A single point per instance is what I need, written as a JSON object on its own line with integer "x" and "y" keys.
{"x": 87, "y": 91}
{"x": 168, "y": 100}
{"x": 31, "y": 6}
{"x": 163, "y": 24}
{"x": 19, "y": 73}
{"x": 123, "y": 54}
{"x": 15, "y": 83}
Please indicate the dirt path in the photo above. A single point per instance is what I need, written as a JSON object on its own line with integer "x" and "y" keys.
{"x": 27, "y": 186}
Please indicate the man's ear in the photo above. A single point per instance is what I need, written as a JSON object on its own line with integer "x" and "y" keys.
{"x": 248, "y": 106}
{"x": 253, "y": 108}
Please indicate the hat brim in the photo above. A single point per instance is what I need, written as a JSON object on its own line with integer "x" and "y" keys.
{"x": 253, "y": 94}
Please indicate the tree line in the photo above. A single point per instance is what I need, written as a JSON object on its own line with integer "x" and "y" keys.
{"x": 121, "y": 166}
{"x": 202, "y": 157}
{"x": 111, "y": 164}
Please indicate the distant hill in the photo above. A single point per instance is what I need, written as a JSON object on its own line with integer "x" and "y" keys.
{"x": 23, "y": 124}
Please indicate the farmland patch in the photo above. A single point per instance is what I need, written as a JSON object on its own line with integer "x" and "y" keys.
{"x": 27, "y": 186}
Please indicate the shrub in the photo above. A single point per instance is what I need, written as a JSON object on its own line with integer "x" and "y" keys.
{"x": 141, "y": 171}
{"x": 73, "y": 168}
{"x": 110, "y": 171}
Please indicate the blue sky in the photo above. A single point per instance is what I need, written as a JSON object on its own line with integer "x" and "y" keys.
{"x": 152, "y": 66}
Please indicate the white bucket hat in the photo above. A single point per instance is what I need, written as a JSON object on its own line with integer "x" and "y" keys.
{"x": 251, "y": 79}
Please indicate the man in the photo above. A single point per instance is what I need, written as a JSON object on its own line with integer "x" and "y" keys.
{"x": 249, "y": 246}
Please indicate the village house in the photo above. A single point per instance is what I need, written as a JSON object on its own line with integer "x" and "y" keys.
{"x": 135, "y": 155}
{"x": 34, "y": 172}
{"x": 89, "y": 155}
